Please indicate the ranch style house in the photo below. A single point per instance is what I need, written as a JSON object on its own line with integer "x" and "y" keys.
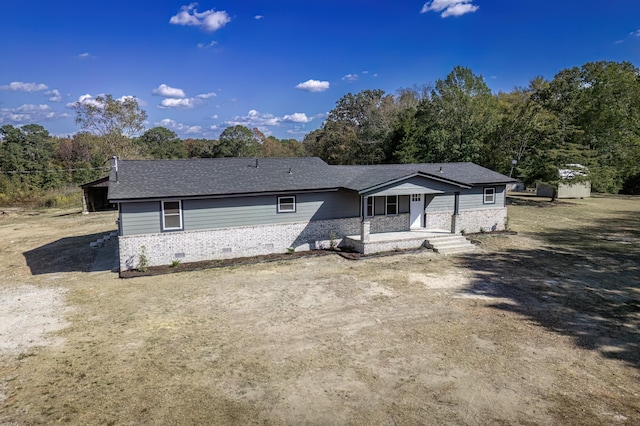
{"x": 204, "y": 209}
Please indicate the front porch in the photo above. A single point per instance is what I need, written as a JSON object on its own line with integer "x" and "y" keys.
{"x": 441, "y": 241}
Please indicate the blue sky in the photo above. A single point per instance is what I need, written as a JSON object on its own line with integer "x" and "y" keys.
{"x": 281, "y": 65}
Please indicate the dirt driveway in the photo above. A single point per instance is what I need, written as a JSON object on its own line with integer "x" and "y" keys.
{"x": 526, "y": 331}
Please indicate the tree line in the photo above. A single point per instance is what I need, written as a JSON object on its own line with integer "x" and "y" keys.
{"x": 32, "y": 160}
{"x": 588, "y": 115}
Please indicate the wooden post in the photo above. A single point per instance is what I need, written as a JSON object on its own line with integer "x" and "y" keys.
{"x": 85, "y": 208}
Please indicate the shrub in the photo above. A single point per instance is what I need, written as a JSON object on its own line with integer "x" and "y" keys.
{"x": 143, "y": 261}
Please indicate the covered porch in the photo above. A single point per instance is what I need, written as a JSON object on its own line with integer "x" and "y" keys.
{"x": 440, "y": 240}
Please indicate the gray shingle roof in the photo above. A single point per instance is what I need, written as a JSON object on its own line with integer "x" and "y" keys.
{"x": 143, "y": 179}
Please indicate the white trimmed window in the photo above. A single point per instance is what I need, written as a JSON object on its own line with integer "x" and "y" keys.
{"x": 391, "y": 207}
{"x": 489, "y": 196}
{"x": 287, "y": 204}
{"x": 369, "y": 206}
{"x": 171, "y": 215}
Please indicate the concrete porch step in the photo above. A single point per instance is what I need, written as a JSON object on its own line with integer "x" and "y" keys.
{"x": 450, "y": 244}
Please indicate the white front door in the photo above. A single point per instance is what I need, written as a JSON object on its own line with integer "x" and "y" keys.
{"x": 416, "y": 210}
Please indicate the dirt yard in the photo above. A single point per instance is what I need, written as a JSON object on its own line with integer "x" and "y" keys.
{"x": 538, "y": 328}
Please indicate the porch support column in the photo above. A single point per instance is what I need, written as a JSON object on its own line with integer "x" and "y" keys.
{"x": 365, "y": 225}
{"x": 455, "y": 218}
{"x": 365, "y": 230}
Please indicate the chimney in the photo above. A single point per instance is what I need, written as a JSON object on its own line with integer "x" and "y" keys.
{"x": 114, "y": 165}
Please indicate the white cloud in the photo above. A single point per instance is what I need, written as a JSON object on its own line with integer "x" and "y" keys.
{"x": 208, "y": 45}
{"x": 209, "y": 20}
{"x": 30, "y": 108}
{"x": 184, "y": 17}
{"x": 214, "y": 116}
{"x": 206, "y": 95}
{"x": 254, "y": 119}
{"x": 176, "y": 98}
{"x": 448, "y": 8}
{"x": 296, "y": 117}
{"x": 215, "y": 20}
{"x": 350, "y": 77}
{"x": 178, "y": 127}
{"x": 185, "y": 103}
{"x": 313, "y": 86}
{"x": 84, "y": 55}
{"x": 635, "y": 33}
{"x": 29, "y": 113}
{"x": 261, "y": 120}
{"x": 54, "y": 95}
{"x": 88, "y": 99}
{"x": 24, "y": 87}
{"x": 85, "y": 99}
{"x": 135, "y": 98}
{"x": 168, "y": 92}
{"x": 259, "y": 17}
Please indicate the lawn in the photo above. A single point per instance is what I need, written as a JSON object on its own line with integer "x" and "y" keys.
{"x": 542, "y": 327}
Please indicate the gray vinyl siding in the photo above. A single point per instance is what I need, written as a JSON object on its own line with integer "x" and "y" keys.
{"x": 146, "y": 218}
{"x": 262, "y": 210}
{"x": 440, "y": 203}
{"x": 140, "y": 218}
{"x": 474, "y": 198}
{"x": 470, "y": 199}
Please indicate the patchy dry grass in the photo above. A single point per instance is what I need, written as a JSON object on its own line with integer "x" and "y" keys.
{"x": 538, "y": 328}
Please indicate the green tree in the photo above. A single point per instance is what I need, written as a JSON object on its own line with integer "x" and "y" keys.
{"x": 402, "y": 141}
{"x": 162, "y": 143}
{"x": 274, "y": 147}
{"x": 355, "y": 130}
{"x": 237, "y": 141}
{"x": 200, "y": 148}
{"x": 597, "y": 108}
{"x": 26, "y": 158}
{"x": 458, "y": 118}
{"x": 525, "y": 128}
{"x": 116, "y": 120}
{"x": 79, "y": 161}
{"x": 609, "y": 114}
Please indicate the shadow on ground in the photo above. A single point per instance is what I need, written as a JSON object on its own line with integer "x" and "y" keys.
{"x": 583, "y": 283}
{"x": 70, "y": 254}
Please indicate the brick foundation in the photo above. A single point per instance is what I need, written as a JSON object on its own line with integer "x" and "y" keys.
{"x": 395, "y": 223}
{"x": 468, "y": 221}
{"x": 482, "y": 219}
{"x": 224, "y": 243}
